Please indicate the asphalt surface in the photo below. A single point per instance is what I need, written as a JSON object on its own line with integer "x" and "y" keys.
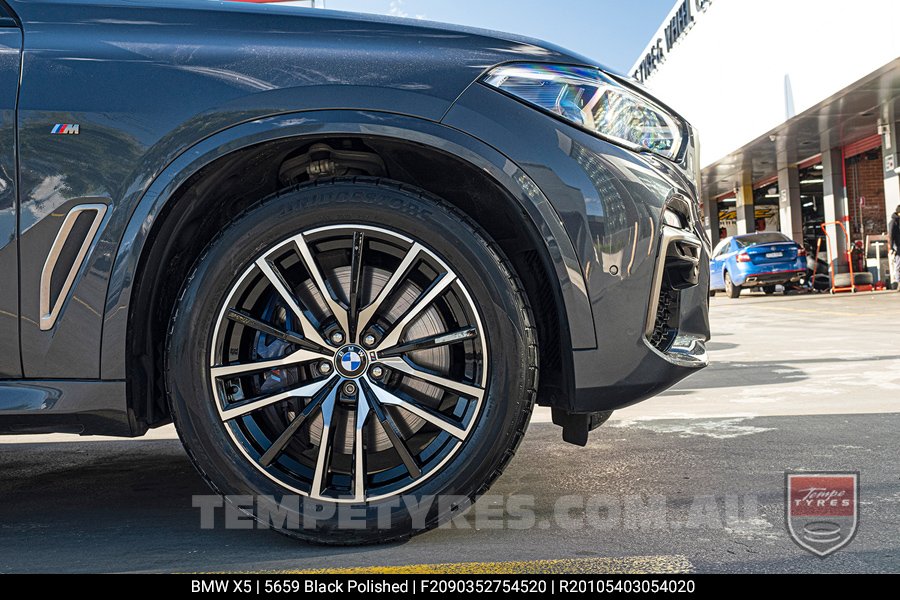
{"x": 690, "y": 481}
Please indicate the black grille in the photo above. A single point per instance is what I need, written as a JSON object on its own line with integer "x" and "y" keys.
{"x": 665, "y": 328}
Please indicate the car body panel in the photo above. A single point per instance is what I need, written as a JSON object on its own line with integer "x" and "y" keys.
{"x": 10, "y": 46}
{"x": 610, "y": 201}
{"x": 64, "y": 405}
{"x": 780, "y": 253}
{"x": 764, "y": 267}
{"x": 383, "y": 125}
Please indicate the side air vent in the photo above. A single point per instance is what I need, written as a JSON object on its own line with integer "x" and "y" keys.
{"x": 75, "y": 236}
{"x": 677, "y": 268}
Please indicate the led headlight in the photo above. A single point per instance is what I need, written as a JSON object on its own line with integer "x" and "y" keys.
{"x": 593, "y": 100}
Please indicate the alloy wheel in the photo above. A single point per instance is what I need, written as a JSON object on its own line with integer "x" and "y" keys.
{"x": 349, "y": 363}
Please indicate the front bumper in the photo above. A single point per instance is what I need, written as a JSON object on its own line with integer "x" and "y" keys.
{"x": 673, "y": 342}
{"x": 650, "y": 324}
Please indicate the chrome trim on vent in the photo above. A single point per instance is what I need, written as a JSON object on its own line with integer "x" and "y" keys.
{"x": 685, "y": 351}
{"x": 49, "y": 314}
{"x": 668, "y": 236}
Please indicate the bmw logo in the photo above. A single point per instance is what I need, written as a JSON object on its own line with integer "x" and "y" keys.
{"x": 351, "y": 361}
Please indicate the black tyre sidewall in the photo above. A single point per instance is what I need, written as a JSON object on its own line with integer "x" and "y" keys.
{"x": 405, "y": 211}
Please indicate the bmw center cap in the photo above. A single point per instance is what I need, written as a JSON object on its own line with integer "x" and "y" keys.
{"x": 351, "y": 361}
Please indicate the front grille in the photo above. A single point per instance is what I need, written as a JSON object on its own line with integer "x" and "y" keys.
{"x": 665, "y": 327}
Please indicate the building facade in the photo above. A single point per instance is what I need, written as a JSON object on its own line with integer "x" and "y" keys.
{"x": 797, "y": 103}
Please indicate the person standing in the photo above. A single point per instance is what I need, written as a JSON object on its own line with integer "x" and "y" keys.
{"x": 894, "y": 243}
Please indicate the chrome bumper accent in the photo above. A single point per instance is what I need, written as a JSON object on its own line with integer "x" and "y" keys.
{"x": 683, "y": 239}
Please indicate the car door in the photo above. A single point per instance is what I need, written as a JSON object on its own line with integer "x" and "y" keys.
{"x": 10, "y": 59}
{"x": 717, "y": 263}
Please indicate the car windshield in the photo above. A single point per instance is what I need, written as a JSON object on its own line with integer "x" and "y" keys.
{"x": 745, "y": 241}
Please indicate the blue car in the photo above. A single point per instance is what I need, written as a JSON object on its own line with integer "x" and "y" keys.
{"x": 755, "y": 260}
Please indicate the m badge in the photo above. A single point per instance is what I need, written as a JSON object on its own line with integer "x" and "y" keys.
{"x": 822, "y": 510}
{"x": 65, "y": 129}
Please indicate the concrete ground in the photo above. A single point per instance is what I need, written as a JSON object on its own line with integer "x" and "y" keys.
{"x": 691, "y": 480}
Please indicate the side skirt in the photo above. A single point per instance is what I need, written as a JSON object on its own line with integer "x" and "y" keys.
{"x": 64, "y": 406}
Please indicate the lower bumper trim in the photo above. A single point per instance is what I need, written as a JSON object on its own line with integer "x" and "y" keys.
{"x": 772, "y": 278}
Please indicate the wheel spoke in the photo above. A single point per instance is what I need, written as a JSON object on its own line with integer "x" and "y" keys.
{"x": 431, "y": 342}
{"x": 287, "y": 336}
{"x": 356, "y": 264}
{"x": 364, "y": 280}
{"x": 366, "y": 314}
{"x": 242, "y": 408}
{"x": 359, "y": 448}
{"x": 278, "y": 446}
{"x": 404, "y": 366}
{"x": 277, "y": 281}
{"x": 436, "y": 288}
{"x": 393, "y": 433}
{"x": 294, "y": 358}
{"x": 323, "y": 459}
{"x": 435, "y": 418}
{"x": 337, "y": 311}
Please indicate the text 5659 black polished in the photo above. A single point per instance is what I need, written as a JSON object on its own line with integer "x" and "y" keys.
{"x": 346, "y": 255}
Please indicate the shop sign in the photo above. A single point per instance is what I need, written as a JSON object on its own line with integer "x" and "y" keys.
{"x": 681, "y": 21}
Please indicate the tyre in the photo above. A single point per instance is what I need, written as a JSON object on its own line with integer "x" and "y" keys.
{"x": 731, "y": 290}
{"x": 347, "y": 343}
{"x": 712, "y": 293}
{"x": 821, "y": 282}
{"x": 768, "y": 290}
{"x": 842, "y": 280}
{"x": 863, "y": 278}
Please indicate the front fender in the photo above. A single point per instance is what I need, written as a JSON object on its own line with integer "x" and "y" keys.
{"x": 164, "y": 188}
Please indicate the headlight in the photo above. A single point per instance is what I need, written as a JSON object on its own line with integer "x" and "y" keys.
{"x": 593, "y": 100}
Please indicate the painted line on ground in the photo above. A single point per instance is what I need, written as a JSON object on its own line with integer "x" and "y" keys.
{"x": 612, "y": 565}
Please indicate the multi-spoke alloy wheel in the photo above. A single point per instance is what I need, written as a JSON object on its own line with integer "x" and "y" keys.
{"x": 351, "y": 342}
{"x": 349, "y": 363}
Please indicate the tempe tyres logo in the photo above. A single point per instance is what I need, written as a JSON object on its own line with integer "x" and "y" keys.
{"x": 822, "y": 510}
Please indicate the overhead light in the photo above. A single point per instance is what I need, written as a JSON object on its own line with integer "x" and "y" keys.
{"x": 812, "y": 181}
{"x": 818, "y": 167}
{"x": 729, "y": 201}
{"x": 808, "y": 204}
{"x": 771, "y": 195}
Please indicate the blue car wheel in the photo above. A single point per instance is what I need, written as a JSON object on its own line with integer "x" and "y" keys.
{"x": 733, "y": 291}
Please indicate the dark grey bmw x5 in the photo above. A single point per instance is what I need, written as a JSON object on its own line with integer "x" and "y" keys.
{"x": 346, "y": 255}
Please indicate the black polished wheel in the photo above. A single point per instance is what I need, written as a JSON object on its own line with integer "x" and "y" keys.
{"x": 349, "y": 363}
{"x": 352, "y": 362}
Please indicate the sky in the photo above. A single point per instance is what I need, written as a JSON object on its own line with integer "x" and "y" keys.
{"x": 612, "y": 32}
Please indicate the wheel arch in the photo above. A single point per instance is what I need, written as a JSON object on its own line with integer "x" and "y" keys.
{"x": 184, "y": 206}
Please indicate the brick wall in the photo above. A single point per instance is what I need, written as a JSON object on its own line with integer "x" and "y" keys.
{"x": 865, "y": 179}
